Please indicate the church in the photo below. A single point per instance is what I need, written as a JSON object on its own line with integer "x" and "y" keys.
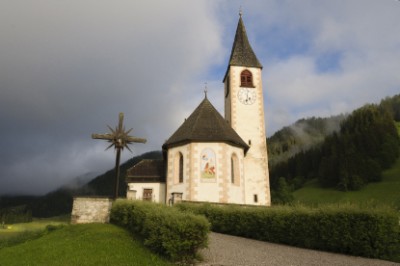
{"x": 210, "y": 157}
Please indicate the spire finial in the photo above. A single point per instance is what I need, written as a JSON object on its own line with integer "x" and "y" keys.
{"x": 205, "y": 89}
{"x": 240, "y": 11}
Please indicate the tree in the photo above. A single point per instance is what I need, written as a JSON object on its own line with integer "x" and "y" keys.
{"x": 283, "y": 193}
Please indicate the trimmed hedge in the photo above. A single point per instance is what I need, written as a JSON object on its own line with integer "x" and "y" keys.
{"x": 345, "y": 229}
{"x": 165, "y": 230}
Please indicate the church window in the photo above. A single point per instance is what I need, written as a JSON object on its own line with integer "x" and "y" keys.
{"x": 232, "y": 171}
{"x": 246, "y": 79}
{"x": 180, "y": 168}
{"x": 255, "y": 198}
{"x": 235, "y": 170}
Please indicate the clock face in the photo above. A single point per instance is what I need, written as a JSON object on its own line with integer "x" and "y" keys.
{"x": 247, "y": 95}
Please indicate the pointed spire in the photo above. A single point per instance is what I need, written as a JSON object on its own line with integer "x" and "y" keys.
{"x": 205, "y": 90}
{"x": 242, "y": 54}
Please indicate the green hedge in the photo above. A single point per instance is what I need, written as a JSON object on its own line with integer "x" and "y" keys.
{"x": 368, "y": 232}
{"x": 165, "y": 230}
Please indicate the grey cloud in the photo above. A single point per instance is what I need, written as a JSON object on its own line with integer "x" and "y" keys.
{"x": 68, "y": 68}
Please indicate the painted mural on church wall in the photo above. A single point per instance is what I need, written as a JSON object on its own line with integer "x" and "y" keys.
{"x": 208, "y": 164}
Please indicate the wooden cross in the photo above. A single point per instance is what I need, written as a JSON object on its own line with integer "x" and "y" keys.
{"x": 120, "y": 139}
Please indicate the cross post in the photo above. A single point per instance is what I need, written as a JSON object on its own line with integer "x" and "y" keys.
{"x": 120, "y": 139}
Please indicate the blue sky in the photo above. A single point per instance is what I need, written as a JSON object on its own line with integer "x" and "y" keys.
{"x": 67, "y": 68}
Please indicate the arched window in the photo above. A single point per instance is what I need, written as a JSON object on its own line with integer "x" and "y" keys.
{"x": 246, "y": 79}
{"x": 180, "y": 168}
{"x": 235, "y": 176}
{"x": 232, "y": 171}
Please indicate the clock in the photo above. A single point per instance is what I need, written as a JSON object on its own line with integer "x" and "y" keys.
{"x": 247, "y": 95}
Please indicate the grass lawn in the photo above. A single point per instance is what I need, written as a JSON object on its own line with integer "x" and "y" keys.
{"x": 385, "y": 192}
{"x": 36, "y": 225}
{"x": 85, "y": 244}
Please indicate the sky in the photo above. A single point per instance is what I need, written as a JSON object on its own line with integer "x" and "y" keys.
{"x": 67, "y": 68}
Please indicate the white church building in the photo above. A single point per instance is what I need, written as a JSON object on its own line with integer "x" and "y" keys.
{"x": 210, "y": 157}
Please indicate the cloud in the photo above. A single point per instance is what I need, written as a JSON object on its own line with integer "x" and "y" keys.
{"x": 68, "y": 68}
{"x": 350, "y": 57}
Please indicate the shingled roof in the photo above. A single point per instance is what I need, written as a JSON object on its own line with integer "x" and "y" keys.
{"x": 205, "y": 124}
{"x": 146, "y": 171}
{"x": 242, "y": 54}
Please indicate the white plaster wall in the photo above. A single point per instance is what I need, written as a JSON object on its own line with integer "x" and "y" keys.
{"x": 235, "y": 191}
{"x": 208, "y": 189}
{"x": 171, "y": 185}
{"x": 158, "y": 190}
{"x": 194, "y": 187}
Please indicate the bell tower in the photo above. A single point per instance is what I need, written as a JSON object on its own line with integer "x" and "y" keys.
{"x": 244, "y": 110}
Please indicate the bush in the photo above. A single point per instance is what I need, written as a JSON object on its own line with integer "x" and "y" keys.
{"x": 165, "y": 230}
{"x": 283, "y": 193}
{"x": 368, "y": 232}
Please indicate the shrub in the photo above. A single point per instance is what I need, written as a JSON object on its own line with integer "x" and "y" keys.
{"x": 349, "y": 229}
{"x": 165, "y": 230}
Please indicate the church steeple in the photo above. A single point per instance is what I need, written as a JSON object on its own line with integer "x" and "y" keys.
{"x": 244, "y": 109}
{"x": 242, "y": 54}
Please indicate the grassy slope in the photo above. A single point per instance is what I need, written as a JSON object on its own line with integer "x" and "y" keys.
{"x": 88, "y": 244}
{"x": 36, "y": 225}
{"x": 385, "y": 192}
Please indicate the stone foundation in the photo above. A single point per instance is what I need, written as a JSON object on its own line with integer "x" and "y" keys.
{"x": 91, "y": 210}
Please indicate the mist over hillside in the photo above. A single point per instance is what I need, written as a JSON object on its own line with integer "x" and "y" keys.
{"x": 301, "y": 136}
{"x": 81, "y": 180}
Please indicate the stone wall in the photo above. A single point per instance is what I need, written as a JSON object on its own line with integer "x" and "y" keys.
{"x": 91, "y": 210}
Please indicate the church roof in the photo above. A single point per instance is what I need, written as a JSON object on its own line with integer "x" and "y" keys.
{"x": 205, "y": 124}
{"x": 146, "y": 171}
{"x": 242, "y": 54}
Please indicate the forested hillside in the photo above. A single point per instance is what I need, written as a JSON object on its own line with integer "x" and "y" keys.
{"x": 366, "y": 143}
{"x": 301, "y": 136}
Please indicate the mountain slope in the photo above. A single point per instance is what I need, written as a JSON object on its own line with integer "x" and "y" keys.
{"x": 384, "y": 192}
{"x": 366, "y": 143}
{"x": 301, "y": 136}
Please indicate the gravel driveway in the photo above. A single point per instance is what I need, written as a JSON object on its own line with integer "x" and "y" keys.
{"x": 231, "y": 250}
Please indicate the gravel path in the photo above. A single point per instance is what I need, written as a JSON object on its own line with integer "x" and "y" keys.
{"x": 227, "y": 250}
